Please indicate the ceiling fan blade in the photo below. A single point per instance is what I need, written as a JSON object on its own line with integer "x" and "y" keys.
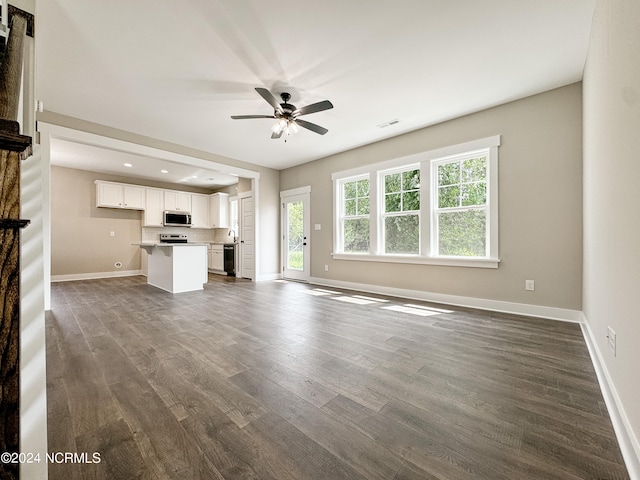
{"x": 312, "y": 126}
{"x": 266, "y": 94}
{"x": 313, "y": 108}
{"x": 276, "y": 135}
{"x": 244, "y": 117}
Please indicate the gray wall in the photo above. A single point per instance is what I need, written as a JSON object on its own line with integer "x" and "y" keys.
{"x": 612, "y": 197}
{"x": 540, "y": 200}
{"x": 80, "y": 232}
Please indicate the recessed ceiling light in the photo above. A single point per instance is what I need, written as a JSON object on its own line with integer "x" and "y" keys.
{"x": 194, "y": 176}
{"x": 128, "y": 165}
{"x": 164, "y": 171}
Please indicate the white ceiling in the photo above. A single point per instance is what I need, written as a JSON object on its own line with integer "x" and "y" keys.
{"x": 177, "y": 71}
{"x": 81, "y": 156}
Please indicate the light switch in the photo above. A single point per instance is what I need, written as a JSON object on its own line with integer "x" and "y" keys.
{"x": 318, "y": 226}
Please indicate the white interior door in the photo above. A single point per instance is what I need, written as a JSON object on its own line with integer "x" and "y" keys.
{"x": 247, "y": 237}
{"x": 295, "y": 237}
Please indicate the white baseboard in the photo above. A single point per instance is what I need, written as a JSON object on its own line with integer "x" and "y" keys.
{"x": 94, "y": 275}
{"x": 629, "y": 444}
{"x": 539, "y": 311}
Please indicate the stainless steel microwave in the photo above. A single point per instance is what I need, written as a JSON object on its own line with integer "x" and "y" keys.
{"x": 176, "y": 219}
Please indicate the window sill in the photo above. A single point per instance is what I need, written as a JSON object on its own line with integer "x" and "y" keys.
{"x": 443, "y": 261}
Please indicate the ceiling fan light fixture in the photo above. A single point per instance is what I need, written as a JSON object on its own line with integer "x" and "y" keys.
{"x": 293, "y": 127}
{"x": 279, "y": 126}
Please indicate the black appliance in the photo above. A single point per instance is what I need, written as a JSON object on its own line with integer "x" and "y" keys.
{"x": 229, "y": 250}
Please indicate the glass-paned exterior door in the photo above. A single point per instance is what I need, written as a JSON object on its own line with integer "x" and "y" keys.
{"x": 295, "y": 237}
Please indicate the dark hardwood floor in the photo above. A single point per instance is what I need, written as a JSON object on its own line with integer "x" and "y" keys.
{"x": 282, "y": 380}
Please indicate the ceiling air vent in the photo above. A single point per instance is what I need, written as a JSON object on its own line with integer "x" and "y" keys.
{"x": 389, "y": 123}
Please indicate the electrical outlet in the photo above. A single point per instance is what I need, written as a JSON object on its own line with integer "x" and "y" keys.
{"x": 529, "y": 285}
{"x": 611, "y": 339}
{"x": 326, "y": 268}
{"x": 112, "y": 233}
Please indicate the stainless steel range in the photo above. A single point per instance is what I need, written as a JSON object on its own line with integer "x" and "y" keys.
{"x": 173, "y": 238}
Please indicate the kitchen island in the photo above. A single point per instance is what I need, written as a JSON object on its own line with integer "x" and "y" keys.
{"x": 176, "y": 267}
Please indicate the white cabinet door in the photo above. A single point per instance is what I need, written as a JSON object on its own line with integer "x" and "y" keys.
{"x": 134, "y": 197}
{"x": 177, "y": 201}
{"x": 184, "y": 202}
{"x": 200, "y": 211}
{"x": 109, "y": 195}
{"x": 170, "y": 200}
{"x": 219, "y": 210}
{"x": 217, "y": 260}
{"x": 154, "y": 208}
{"x": 118, "y": 195}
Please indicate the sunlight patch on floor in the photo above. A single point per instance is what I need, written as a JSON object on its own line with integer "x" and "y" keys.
{"x": 364, "y": 297}
{"x": 316, "y": 292}
{"x": 411, "y": 308}
{"x": 357, "y": 301}
{"x": 332, "y": 292}
{"x": 412, "y": 311}
{"x": 432, "y": 309}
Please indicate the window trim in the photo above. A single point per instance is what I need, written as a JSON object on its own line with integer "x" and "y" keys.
{"x": 380, "y": 200}
{"x": 424, "y": 160}
{"x": 433, "y": 174}
{"x": 338, "y": 188}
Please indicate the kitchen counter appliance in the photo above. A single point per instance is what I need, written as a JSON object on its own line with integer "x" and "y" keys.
{"x": 176, "y": 219}
{"x": 173, "y": 238}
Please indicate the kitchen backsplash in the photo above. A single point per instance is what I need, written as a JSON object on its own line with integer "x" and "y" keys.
{"x": 223, "y": 235}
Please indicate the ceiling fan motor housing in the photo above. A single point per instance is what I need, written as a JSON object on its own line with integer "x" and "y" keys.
{"x": 287, "y": 108}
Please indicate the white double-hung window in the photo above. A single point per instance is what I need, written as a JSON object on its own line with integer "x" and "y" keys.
{"x": 354, "y": 211}
{"x": 438, "y": 207}
{"x": 460, "y": 217}
{"x": 401, "y": 210}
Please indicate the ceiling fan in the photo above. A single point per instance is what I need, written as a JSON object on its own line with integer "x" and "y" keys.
{"x": 287, "y": 114}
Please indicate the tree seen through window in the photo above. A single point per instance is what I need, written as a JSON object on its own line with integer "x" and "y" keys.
{"x": 402, "y": 212}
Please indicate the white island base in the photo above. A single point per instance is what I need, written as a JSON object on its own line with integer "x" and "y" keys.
{"x": 176, "y": 268}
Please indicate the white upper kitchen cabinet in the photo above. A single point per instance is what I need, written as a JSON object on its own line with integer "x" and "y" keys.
{"x": 117, "y": 195}
{"x": 177, "y": 201}
{"x": 200, "y": 211}
{"x": 219, "y": 210}
{"x": 134, "y": 197}
{"x": 155, "y": 206}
